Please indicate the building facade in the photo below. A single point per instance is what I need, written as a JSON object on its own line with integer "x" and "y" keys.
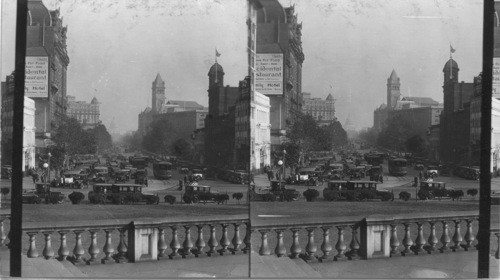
{"x": 321, "y": 110}
{"x": 46, "y": 67}
{"x": 278, "y": 63}
{"x": 455, "y": 119}
{"x": 242, "y": 121}
{"x": 7, "y": 114}
{"x": 260, "y": 129}
{"x": 87, "y": 114}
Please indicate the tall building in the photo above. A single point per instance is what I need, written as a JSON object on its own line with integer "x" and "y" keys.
{"x": 393, "y": 91}
{"x": 455, "y": 118}
{"x": 7, "y": 114}
{"x": 322, "y": 110}
{"x": 242, "y": 125}
{"x": 46, "y": 66}
{"x": 86, "y": 113}
{"x": 157, "y": 93}
{"x": 277, "y": 63}
{"x": 220, "y": 121}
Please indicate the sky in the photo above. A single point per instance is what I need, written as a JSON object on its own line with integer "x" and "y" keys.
{"x": 116, "y": 48}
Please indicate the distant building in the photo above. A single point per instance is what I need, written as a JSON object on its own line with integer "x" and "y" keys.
{"x": 260, "y": 130}
{"x": 7, "y": 114}
{"x": 46, "y": 66}
{"x": 182, "y": 105}
{"x": 87, "y": 114}
{"x": 321, "y": 110}
{"x": 183, "y": 123}
{"x": 242, "y": 125}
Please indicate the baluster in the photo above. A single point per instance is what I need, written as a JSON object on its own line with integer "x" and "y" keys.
{"x": 420, "y": 241}
{"x": 280, "y": 249}
{"x": 200, "y": 243}
{"x": 340, "y": 246}
{"x": 394, "y": 240}
{"x": 264, "y": 247}
{"x": 48, "y": 252}
{"x": 162, "y": 244}
{"x": 295, "y": 249}
{"x": 32, "y": 252}
{"x": 354, "y": 246}
{"x": 93, "y": 249}
{"x": 498, "y": 246}
{"x": 224, "y": 241}
{"x": 247, "y": 239}
{"x": 174, "y": 245}
{"x": 432, "y": 239}
{"x": 445, "y": 238}
{"x": 212, "y": 242}
{"x": 63, "y": 251}
{"x": 78, "y": 250}
{"x": 108, "y": 247}
{"x": 407, "y": 241}
{"x": 3, "y": 237}
{"x": 236, "y": 240}
{"x": 469, "y": 237}
{"x": 457, "y": 237}
{"x": 326, "y": 247}
{"x": 121, "y": 256}
{"x": 311, "y": 248}
{"x": 188, "y": 244}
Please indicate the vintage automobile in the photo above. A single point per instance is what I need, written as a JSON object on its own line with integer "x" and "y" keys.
{"x": 261, "y": 193}
{"x": 121, "y": 176}
{"x": 419, "y": 166}
{"x": 432, "y": 171}
{"x": 184, "y": 170}
{"x": 120, "y": 194}
{"x": 376, "y": 174}
{"x": 282, "y": 193}
{"x": 43, "y": 191}
{"x": 432, "y": 189}
{"x": 30, "y": 197}
{"x": 355, "y": 191}
{"x": 6, "y": 172}
{"x": 197, "y": 174}
{"x": 195, "y": 193}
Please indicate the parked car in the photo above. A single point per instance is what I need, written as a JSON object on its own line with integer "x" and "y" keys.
{"x": 30, "y": 197}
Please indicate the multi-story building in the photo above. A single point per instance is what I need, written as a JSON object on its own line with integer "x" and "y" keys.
{"x": 455, "y": 119}
{"x": 321, "y": 110}
{"x": 7, "y": 114}
{"x": 260, "y": 130}
{"x": 277, "y": 62}
{"x": 220, "y": 121}
{"x": 46, "y": 66}
{"x": 86, "y": 113}
{"x": 242, "y": 124}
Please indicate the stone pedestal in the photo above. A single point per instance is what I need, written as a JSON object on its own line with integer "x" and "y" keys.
{"x": 375, "y": 238}
{"x": 142, "y": 242}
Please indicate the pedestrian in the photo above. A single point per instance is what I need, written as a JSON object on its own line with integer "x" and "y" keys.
{"x": 185, "y": 179}
{"x": 180, "y": 185}
{"x": 34, "y": 176}
{"x": 251, "y": 178}
{"x": 420, "y": 175}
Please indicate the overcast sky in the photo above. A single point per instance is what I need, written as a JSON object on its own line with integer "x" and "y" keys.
{"x": 116, "y": 47}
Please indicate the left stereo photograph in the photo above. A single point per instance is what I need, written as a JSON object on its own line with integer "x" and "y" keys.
{"x": 136, "y": 140}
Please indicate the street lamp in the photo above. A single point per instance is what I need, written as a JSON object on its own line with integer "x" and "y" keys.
{"x": 284, "y": 155}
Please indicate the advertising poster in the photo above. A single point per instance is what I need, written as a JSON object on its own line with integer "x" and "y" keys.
{"x": 269, "y": 73}
{"x": 37, "y": 76}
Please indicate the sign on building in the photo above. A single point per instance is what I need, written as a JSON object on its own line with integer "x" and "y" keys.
{"x": 268, "y": 77}
{"x": 36, "y": 82}
{"x": 496, "y": 77}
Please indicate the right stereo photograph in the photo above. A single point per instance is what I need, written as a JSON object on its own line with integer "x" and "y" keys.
{"x": 366, "y": 139}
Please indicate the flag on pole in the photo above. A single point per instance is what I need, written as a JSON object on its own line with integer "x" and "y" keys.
{"x": 452, "y": 50}
{"x": 217, "y": 54}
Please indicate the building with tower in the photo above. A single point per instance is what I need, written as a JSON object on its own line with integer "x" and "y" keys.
{"x": 220, "y": 121}
{"x": 455, "y": 119}
{"x": 393, "y": 90}
{"x": 46, "y": 66}
{"x": 157, "y": 94}
{"x": 87, "y": 114}
{"x": 276, "y": 63}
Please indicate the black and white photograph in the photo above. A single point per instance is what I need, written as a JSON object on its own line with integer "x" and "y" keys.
{"x": 167, "y": 139}
{"x": 374, "y": 140}
{"x": 135, "y": 139}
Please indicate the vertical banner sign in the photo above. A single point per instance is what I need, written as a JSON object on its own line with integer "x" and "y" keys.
{"x": 269, "y": 73}
{"x": 496, "y": 78}
{"x": 36, "y": 82}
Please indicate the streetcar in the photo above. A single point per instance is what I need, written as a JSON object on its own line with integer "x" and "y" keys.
{"x": 397, "y": 167}
{"x": 162, "y": 170}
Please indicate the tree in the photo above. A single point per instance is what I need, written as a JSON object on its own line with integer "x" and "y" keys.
{"x": 238, "y": 196}
{"x": 182, "y": 148}
{"x": 472, "y": 192}
{"x": 395, "y": 134}
{"x": 102, "y": 137}
{"x": 416, "y": 144}
{"x": 160, "y": 136}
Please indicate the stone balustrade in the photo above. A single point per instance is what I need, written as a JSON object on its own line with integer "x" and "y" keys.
{"x": 351, "y": 238}
{"x": 139, "y": 240}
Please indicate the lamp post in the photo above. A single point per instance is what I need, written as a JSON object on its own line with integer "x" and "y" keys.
{"x": 284, "y": 170}
{"x": 281, "y": 163}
